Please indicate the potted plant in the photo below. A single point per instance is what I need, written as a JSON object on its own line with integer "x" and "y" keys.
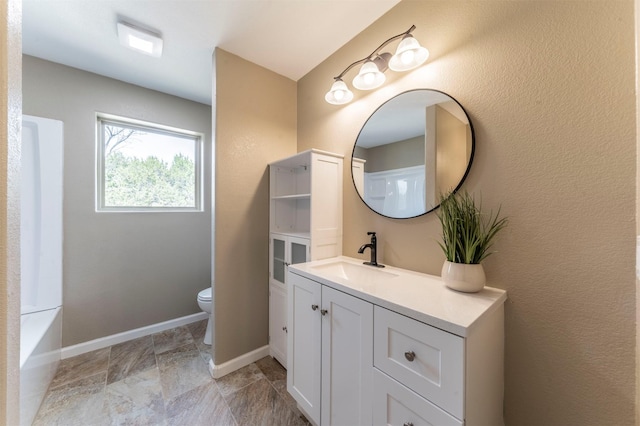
{"x": 467, "y": 237}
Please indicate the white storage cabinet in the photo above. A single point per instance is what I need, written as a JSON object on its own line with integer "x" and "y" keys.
{"x": 283, "y": 251}
{"x": 305, "y": 223}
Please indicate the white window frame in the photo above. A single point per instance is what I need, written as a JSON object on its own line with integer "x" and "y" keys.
{"x": 102, "y": 119}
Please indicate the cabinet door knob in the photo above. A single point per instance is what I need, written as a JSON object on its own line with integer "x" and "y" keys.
{"x": 410, "y": 356}
{"x": 324, "y": 311}
{"x": 314, "y": 307}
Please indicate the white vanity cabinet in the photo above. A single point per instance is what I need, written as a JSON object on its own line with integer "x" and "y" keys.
{"x": 330, "y": 345}
{"x": 422, "y": 364}
{"x": 405, "y": 349}
{"x": 305, "y": 223}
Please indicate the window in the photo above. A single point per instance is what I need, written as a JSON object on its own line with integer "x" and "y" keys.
{"x": 147, "y": 167}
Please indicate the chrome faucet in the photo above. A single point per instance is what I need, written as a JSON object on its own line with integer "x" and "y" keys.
{"x": 373, "y": 245}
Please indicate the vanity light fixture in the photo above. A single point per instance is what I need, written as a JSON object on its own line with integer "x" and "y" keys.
{"x": 140, "y": 40}
{"x": 409, "y": 55}
{"x": 339, "y": 93}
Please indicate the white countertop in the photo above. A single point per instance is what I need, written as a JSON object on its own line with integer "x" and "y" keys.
{"x": 419, "y": 296}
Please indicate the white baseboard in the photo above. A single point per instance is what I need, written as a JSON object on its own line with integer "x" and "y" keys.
{"x": 230, "y": 366}
{"x": 114, "y": 339}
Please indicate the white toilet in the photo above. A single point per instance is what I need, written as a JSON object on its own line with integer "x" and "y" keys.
{"x": 204, "y": 301}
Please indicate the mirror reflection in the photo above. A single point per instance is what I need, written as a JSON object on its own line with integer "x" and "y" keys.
{"x": 414, "y": 147}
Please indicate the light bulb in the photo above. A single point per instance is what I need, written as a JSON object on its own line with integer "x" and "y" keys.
{"x": 339, "y": 93}
{"x": 409, "y": 55}
{"x": 369, "y": 77}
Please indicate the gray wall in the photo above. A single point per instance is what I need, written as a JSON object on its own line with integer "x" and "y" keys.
{"x": 121, "y": 270}
{"x": 396, "y": 155}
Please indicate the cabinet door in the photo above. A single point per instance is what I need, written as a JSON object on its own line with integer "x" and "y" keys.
{"x": 303, "y": 344}
{"x": 347, "y": 359}
{"x": 286, "y": 250}
{"x": 298, "y": 250}
{"x": 278, "y": 323}
{"x": 278, "y": 258}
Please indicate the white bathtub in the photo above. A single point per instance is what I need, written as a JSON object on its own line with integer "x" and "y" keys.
{"x": 40, "y": 341}
{"x": 41, "y": 260}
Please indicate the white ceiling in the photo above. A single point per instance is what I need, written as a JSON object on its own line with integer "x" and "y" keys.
{"x": 289, "y": 37}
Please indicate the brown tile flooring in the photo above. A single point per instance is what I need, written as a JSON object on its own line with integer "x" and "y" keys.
{"x": 163, "y": 379}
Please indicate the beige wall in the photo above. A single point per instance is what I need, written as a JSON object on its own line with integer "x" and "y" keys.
{"x": 637, "y": 52}
{"x": 255, "y": 123}
{"x": 10, "y": 110}
{"x": 549, "y": 87}
{"x": 121, "y": 270}
{"x": 453, "y": 150}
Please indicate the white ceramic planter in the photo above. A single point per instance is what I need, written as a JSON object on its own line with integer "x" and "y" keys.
{"x": 468, "y": 278}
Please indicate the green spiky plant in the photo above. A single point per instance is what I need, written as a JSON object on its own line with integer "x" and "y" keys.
{"x": 467, "y": 234}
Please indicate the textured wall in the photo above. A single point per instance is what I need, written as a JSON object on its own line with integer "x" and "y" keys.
{"x": 10, "y": 119}
{"x": 549, "y": 87}
{"x": 121, "y": 270}
{"x": 255, "y": 123}
{"x": 637, "y": 16}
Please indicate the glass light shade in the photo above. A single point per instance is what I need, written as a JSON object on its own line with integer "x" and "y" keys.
{"x": 409, "y": 55}
{"x": 339, "y": 93}
{"x": 369, "y": 77}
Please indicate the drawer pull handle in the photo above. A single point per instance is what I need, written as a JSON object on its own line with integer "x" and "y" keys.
{"x": 324, "y": 311}
{"x": 408, "y": 424}
{"x": 410, "y": 356}
{"x": 314, "y": 307}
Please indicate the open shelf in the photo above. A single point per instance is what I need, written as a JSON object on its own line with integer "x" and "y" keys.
{"x": 291, "y": 197}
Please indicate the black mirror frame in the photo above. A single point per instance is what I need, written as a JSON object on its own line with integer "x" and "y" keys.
{"x": 464, "y": 177}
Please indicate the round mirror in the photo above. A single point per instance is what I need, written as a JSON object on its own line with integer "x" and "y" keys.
{"x": 413, "y": 148}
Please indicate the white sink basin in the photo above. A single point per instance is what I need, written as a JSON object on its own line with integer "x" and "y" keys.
{"x": 419, "y": 296}
{"x": 354, "y": 272}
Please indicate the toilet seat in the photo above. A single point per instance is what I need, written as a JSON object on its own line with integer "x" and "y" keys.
{"x": 205, "y": 295}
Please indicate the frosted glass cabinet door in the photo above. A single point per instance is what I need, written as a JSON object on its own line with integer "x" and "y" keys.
{"x": 298, "y": 250}
{"x": 286, "y": 250}
{"x": 278, "y": 258}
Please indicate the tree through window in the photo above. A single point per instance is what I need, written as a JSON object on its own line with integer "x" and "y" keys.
{"x": 142, "y": 166}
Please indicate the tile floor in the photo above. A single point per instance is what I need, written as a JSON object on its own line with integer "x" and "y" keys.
{"x": 163, "y": 379}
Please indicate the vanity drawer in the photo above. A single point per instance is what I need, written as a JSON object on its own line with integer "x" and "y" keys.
{"x": 427, "y": 360}
{"x": 394, "y": 404}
